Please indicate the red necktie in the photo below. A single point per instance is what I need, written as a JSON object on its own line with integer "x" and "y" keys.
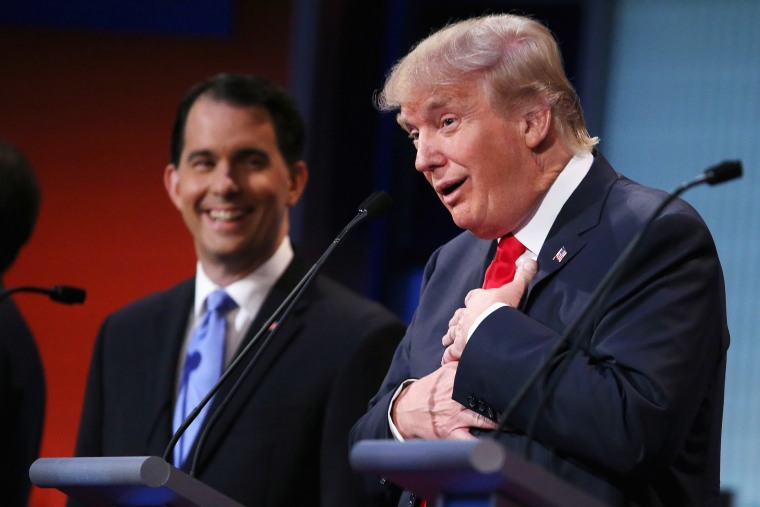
{"x": 502, "y": 269}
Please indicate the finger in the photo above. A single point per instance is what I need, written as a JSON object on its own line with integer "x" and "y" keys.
{"x": 452, "y": 353}
{"x": 483, "y": 422}
{"x": 526, "y": 271}
{"x": 455, "y": 318}
{"x": 527, "y": 267}
{"x": 470, "y": 294}
{"x": 461, "y": 434}
{"x": 447, "y": 356}
{"x": 448, "y": 338}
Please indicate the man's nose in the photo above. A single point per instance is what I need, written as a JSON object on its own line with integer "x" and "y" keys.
{"x": 224, "y": 177}
{"x": 429, "y": 155}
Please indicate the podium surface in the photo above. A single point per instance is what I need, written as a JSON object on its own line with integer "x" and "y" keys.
{"x": 470, "y": 473}
{"x": 125, "y": 481}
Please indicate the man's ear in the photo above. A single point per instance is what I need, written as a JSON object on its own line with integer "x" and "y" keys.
{"x": 171, "y": 183}
{"x": 538, "y": 122}
{"x": 299, "y": 175}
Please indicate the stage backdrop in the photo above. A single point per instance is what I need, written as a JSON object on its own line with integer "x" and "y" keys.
{"x": 93, "y": 108}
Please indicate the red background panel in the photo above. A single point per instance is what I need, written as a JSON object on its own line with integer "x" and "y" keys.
{"x": 93, "y": 113}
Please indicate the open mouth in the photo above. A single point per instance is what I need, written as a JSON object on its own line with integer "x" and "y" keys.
{"x": 450, "y": 188}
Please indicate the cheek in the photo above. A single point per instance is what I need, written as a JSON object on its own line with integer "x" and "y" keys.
{"x": 270, "y": 189}
{"x": 189, "y": 185}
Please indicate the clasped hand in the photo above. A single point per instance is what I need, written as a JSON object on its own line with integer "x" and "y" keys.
{"x": 425, "y": 408}
{"x": 479, "y": 300}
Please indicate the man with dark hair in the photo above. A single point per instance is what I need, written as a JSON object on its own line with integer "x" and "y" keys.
{"x": 236, "y": 169}
{"x": 22, "y": 381}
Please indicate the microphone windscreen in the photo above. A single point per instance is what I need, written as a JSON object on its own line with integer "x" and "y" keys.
{"x": 376, "y": 204}
{"x": 724, "y": 171}
{"x": 67, "y": 294}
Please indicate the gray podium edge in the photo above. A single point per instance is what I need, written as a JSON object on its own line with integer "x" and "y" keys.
{"x": 125, "y": 481}
{"x": 448, "y": 469}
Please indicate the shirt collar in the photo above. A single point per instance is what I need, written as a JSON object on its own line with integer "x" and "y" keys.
{"x": 534, "y": 233}
{"x": 248, "y": 292}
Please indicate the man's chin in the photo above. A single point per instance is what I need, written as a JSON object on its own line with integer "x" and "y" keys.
{"x": 466, "y": 223}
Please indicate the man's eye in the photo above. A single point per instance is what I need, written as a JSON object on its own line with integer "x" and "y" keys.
{"x": 447, "y": 122}
{"x": 255, "y": 162}
{"x": 202, "y": 164}
{"x": 414, "y": 135}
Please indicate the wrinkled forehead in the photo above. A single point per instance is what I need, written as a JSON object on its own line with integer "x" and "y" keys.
{"x": 421, "y": 101}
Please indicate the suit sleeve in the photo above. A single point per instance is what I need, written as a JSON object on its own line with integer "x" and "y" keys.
{"x": 356, "y": 383}
{"x": 630, "y": 398}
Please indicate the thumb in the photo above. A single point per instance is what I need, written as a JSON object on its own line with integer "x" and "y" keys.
{"x": 526, "y": 270}
{"x": 512, "y": 292}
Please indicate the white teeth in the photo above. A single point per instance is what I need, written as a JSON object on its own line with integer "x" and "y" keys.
{"x": 221, "y": 215}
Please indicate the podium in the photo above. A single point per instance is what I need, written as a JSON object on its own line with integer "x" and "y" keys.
{"x": 125, "y": 481}
{"x": 466, "y": 473}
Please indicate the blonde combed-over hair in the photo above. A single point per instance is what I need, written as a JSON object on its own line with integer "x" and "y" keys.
{"x": 516, "y": 58}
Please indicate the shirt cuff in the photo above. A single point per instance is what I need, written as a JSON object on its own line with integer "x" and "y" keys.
{"x": 394, "y": 430}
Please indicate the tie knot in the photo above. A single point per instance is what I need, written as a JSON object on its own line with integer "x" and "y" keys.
{"x": 502, "y": 268}
{"x": 219, "y": 301}
{"x": 510, "y": 248}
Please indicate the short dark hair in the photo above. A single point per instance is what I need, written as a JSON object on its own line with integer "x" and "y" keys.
{"x": 246, "y": 91}
{"x": 19, "y": 203}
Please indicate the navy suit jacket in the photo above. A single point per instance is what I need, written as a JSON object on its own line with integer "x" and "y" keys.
{"x": 282, "y": 439}
{"x": 636, "y": 418}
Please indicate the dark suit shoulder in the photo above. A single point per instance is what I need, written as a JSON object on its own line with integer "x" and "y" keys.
{"x": 156, "y": 302}
{"x": 641, "y": 200}
{"x": 334, "y": 300}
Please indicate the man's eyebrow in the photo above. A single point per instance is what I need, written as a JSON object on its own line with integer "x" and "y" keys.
{"x": 402, "y": 122}
{"x": 252, "y": 154}
{"x": 431, "y": 104}
{"x": 247, "y": 152}
{"x": 199, "y": 153}
{"x": 239, "y": 154}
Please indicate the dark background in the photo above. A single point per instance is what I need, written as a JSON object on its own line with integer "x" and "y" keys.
{"x": 354, "y": 150}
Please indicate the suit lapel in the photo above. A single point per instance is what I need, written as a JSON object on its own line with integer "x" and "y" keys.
{"x": 580, "y": 214}
{"x": 264, "y": 358}
{"x": 167, "y": 329}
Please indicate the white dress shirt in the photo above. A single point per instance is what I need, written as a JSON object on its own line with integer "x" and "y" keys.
{"x": 249, "y": 294}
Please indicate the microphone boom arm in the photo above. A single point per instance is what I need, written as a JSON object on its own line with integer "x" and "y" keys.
{"x": 373, "y": 206}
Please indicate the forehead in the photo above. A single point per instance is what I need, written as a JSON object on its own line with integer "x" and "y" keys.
{"x": 209, "y": 117}
{"x": 208, "y": 112}
{"x": 220, "y": 129}
{"x": 424, "y": 103}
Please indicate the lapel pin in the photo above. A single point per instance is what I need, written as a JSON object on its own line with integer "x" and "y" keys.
{"x": 560, "y": 255}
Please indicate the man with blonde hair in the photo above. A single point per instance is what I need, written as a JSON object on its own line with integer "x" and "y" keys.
{"x": 635, "y": 419}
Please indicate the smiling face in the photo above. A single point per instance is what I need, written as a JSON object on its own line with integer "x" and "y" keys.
{"x": 481, "y": 165}
{"x": 233, "y": 187}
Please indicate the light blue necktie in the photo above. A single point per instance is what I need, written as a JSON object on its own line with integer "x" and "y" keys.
{"x": 203, "y": 367}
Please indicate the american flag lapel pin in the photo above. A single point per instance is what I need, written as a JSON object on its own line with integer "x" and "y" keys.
{"x": 560, "y": 255}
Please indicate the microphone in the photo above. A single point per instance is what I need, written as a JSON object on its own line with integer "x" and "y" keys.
{"x": 373, "y": 206}
{"x": 724, "y": 171}
{"x": 59, "y": 293}
{"x": 714, "y": 175}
